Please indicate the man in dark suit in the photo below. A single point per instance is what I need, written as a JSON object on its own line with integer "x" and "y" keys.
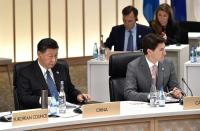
{"x": 33, "y": 78}
{"x": 139, "y": 74}
{"x": 120, "y": 34}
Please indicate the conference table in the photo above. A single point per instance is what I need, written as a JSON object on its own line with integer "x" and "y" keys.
{"x": 134, "y": 116}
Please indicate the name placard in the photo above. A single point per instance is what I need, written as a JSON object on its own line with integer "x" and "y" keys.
{"x": 27, "y": 117}
{"x": 191, "y": 102}
{"x": 101, "y": 109}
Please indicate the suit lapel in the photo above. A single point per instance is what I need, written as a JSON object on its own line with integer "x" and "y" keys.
{"x": 56, "y": 74}
{"x": 122, "y": 38}
{"x": 146, "y": 70}
{"x": 40, "y": 76}
{"x": 160, "y": 75}
{"x": 137, "y": 36}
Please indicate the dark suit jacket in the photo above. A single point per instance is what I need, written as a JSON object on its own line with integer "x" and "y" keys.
{"x": 31, "y": 81}
{"x": 139, "y": 79}
{"x": 173, "y": 33}
{"x": 117, "y": 36}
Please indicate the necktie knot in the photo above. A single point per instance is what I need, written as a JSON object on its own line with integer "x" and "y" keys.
{"x": 47, "y": 72}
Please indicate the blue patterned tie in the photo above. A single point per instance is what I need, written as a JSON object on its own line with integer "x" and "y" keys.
{"x": 51, "y": 85}
{"x": 130, "y": 41}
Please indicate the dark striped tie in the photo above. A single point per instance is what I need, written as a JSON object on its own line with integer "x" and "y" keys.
{"x": 130, "y": 42}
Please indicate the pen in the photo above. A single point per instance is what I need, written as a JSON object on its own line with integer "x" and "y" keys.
{"x": 169, "y": 93}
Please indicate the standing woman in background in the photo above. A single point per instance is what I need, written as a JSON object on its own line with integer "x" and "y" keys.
{"x": 165, "y": 25}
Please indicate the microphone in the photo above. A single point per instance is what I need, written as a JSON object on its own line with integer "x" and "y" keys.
{"x": 183, "y": 80}
{"x": 181, "y": 100}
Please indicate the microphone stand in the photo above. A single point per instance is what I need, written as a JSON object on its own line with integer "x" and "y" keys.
{"x": 181, "y": 100}
{"x": 183, "y": 80}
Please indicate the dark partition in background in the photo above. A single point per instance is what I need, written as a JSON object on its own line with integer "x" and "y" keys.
{"x": 188, "y": 26}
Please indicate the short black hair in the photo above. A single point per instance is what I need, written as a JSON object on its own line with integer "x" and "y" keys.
{"x": 47, "y": 43}
{"x": 128, "y": 9}
{"x": 151, "y": 41}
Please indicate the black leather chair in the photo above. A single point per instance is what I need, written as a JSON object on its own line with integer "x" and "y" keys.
{"x": 16, "y": 70}
{"x": 117, "y": 72}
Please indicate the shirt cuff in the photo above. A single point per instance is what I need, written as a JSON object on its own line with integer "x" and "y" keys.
{"x": 40, "y": 101}
{"x": 148, "y": 96}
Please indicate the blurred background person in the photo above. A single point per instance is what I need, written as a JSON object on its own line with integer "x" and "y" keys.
{"x": 128, "y": 36}
{"x": 165, "y": 25}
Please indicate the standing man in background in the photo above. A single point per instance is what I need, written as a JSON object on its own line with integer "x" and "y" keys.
{"x": 45, "y": 74}
{"x": 128, "y": 36}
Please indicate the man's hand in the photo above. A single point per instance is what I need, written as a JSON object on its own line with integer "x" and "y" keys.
{"x": 107, "y": 50}
{"x": 177, "y": 93}
{"x": 163, "y": 35}
{"x": 82, "y": 97}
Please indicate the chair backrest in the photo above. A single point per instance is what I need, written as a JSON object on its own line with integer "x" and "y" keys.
{"x": 117, "y": 72}
{"x": 188, "y": 26}
{"x": 16, "y": 70}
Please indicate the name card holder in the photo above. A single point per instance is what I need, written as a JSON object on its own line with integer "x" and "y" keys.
{"x": 28, "y": 117}
{"x": 191, "y": 102}
{"x": 101, "y": 109}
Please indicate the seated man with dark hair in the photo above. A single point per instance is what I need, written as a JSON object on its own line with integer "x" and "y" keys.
{"x": 140, "y": 71}
{"x": 33, "y": 78}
